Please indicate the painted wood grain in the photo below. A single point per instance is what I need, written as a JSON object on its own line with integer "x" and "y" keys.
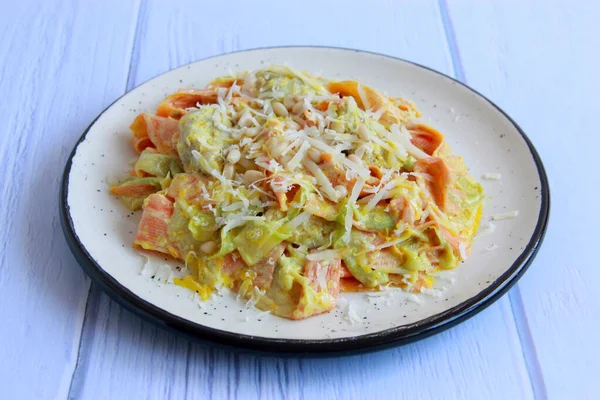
{"x": 541, "y": 64}
{"x": 60, "y": 66}
{"x": 124, "y": 357}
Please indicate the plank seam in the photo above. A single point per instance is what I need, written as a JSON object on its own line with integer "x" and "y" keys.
{"x": 528, "y": 349}
{"x": 534, "y": 369}
{"x": 188, "y": 355}
{"x": 84, "y": 341}
{"x": 135, "y": 50}
{"x": 81, "y": 349}
{"x": 457, "y": 67}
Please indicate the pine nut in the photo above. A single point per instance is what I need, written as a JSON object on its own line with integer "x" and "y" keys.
{"x": 279, "y": 109}
{"x": 338, "y": 126}
{"x": 314, "y": 155}
{"x": 298, "y": 108}
{"x": 293, "y": 125}
{"x": 208, "y": 247}
{"x": 228, "y": 171}
{"x": 288, "y": 102}
{"x": 251, "y": 176}
{"x": 233, "y": 156}
{"x": 363, "y": 132}
{"x": 277, "y": 149}
{"x": 354, "y": 158}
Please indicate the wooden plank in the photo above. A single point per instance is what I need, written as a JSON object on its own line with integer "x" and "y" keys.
{"x": 541, "y": 65}
{"x": 124, "y": 357}
{"x": 62, "y": 63}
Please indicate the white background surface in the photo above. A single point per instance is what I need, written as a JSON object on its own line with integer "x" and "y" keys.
{"x": 64, "y": 61}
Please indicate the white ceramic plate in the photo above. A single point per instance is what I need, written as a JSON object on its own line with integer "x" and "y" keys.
{"x": 100, "y": 230}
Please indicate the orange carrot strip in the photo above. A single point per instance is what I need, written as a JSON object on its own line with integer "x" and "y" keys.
{"x": 344, "y": 271}
{"x": 140, "y": 144}
{"x": 152, "y": 231}
{"x": 350, "y": 88}
{"x": 176, "y": 105}
{"x": 352, "y": 284}
{"x": 437, "y": 169}
{"x": 426, "y": 138}
{"x": 265, "y": 268}
{"x": 323, "y": 276}
{"x": 159, "y": 131}
{"x": 232, "y": 264}
{"x": 141, "y": 190}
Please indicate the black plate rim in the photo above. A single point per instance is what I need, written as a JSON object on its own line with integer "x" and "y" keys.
{"x": 340, "y": 346}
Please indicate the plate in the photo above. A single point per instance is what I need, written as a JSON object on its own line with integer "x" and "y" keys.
{"x": 100, "y": 230}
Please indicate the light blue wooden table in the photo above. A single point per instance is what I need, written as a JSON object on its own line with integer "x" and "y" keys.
{"x": 62, "y": 62}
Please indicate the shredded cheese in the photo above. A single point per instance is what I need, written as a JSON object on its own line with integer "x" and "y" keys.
{"x": 297, "y": 221}
{"x": 357, "y": 169}
{"x": 506, "y": 215}
{"x": 325, "y": 255}
{"x": 363, "y": 97}
{"x": 411, "y": 148}
{"x": 462, "y": 249}
{"x": 295, "y": 161}
{"x": 322, "y": 180}
{"x": 379, "y": 196}
{"x": 487, "y": 230}
{"x": 350, "y": 208}
{"x": 492, "y": 176}
{"x": 351, "y": 314}
{"x": 389, "y": 244}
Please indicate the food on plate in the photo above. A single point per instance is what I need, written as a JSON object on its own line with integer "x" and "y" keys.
{"x": 289, "y": 189}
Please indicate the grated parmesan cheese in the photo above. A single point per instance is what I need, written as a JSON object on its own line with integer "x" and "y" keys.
{"x": 411, "y": 148}
{"x": 295, "y": 161}
{"x": 379, "y": 196}
{"x": 360, "y": 183}
{"x": 389, "y": 244}
{"x": 363, "y": 97}
{"x": 506, "y": 215}
{"x": 492, "y": 176}
{"x": 431, "y": 292}
{"x": 322, "y": 180}
{"x": 299, "y": 220}
{"x": 462, "y": 249}
{"x": 325, "y": 255}
{"x": 351, "y": 314}
{"x": 487, "y": 230}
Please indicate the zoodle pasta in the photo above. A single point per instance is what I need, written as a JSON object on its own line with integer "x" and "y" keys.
{"x": 288, "y": 189}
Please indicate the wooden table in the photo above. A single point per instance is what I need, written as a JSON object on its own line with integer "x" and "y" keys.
{"x": 62, "y": 62}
